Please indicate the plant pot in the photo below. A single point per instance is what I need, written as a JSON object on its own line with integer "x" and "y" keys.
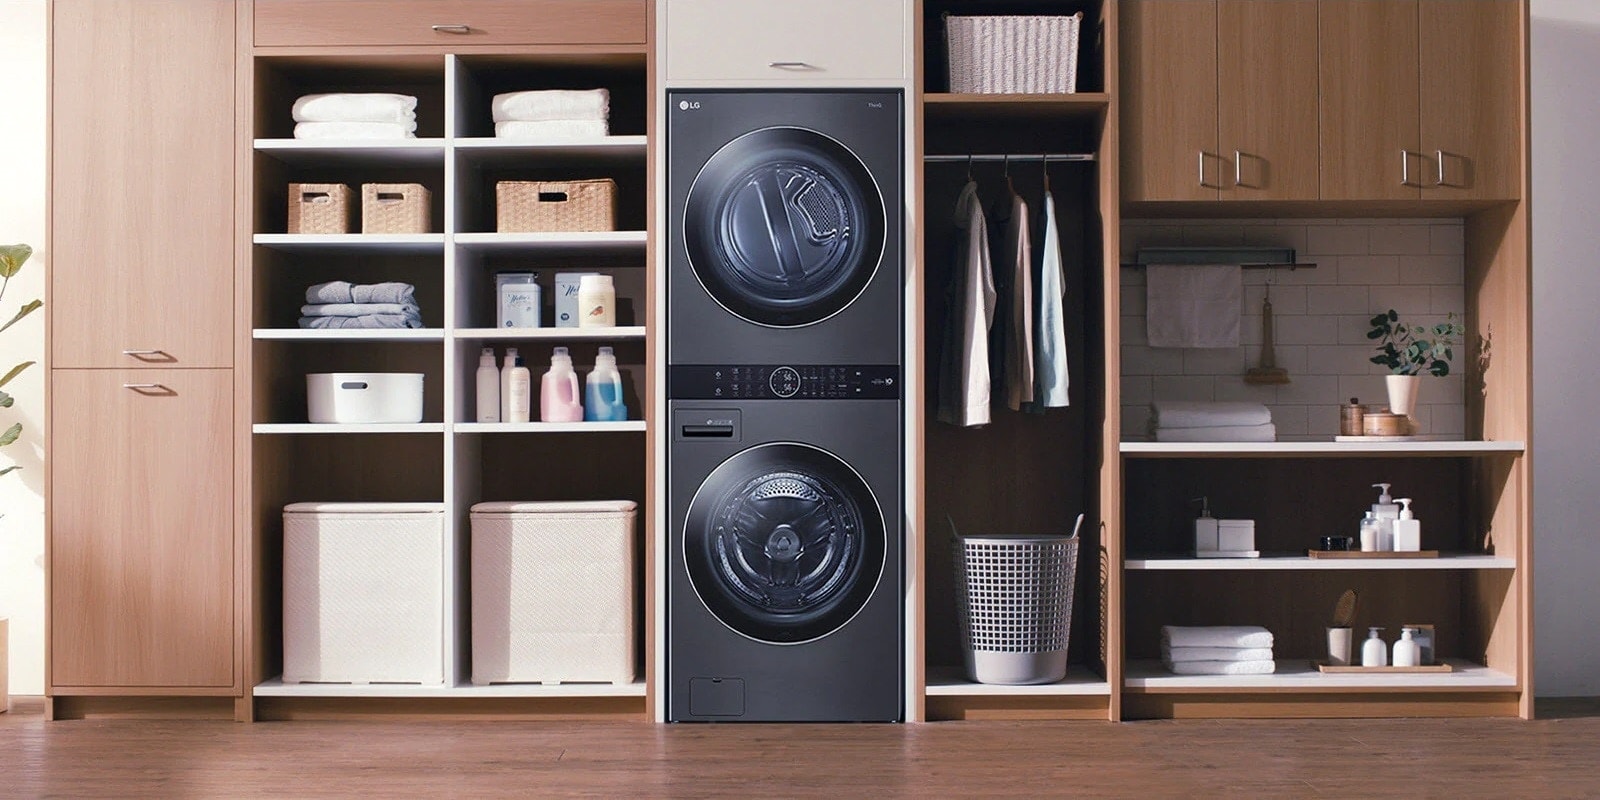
{"x": 1403, "y": 393}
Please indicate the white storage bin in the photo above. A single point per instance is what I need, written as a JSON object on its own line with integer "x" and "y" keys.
{"x": 364, "y": 397}
{"x": 363, "y": 593}
{"x": 1013, "y": 55}
{"x": 553, "y": 596}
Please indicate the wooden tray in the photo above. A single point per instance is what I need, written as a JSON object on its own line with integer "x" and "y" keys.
{"x": 1372, "y": 554}
{"x": 1352, "y": 669}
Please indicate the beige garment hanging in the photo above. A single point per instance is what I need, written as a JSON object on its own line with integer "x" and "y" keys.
{"x": 1019, "y": 327}
{"x": 964, "y": 384}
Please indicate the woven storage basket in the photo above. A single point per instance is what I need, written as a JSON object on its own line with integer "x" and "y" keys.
{"x": 1013, "y": 55}
{"x": 394, "y": 208}
{"x": 541, "y": 206}
{"x": 319, "y": 208}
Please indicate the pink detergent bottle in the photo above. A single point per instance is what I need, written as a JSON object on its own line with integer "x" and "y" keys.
{"x": 558, "y": 390}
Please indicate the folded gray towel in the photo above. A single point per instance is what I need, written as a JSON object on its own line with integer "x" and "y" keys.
{"x": 346, "y": 292}
{"x": 364, "y": 321}
{"x": 358, "y": 309}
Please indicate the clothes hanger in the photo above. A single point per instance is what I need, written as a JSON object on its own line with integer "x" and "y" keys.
{"x": 969, "y": 167}
{"x": 1045, "y": 170}
{"x": 1005, "y": 165}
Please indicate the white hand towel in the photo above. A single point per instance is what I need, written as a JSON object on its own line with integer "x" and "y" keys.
{"x": 1189, "y": 414}
{"x": 1223, "y": 667}
{"x": 1216, "y": 636}
{"x": 369, "y": 107}
{"x": 355, "y": 130}
{"x": 551, "y": 104}
{"x": 1178, "y": 654}
{"x": 552, "y": 130}
{"x": 964, "y": 383}
{"x": 1230, "y": 433}
{"x": 1193, "y": 305}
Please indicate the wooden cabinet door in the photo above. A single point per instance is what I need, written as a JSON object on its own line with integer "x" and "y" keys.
{"x": 142, "y": 183}
{"x": 1169, "y": 101}
{"x": 1471, "y": 100}
{"x": 1368, "y": 114}
{"x": 141, "y": 528}
{"x": 1267, "y": 98}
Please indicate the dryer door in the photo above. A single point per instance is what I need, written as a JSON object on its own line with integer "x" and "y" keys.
{"x": 784, "y": 543}
{"x": 784, "y": 227}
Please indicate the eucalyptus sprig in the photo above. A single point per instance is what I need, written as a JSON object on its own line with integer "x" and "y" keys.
{"x": 12, "y": 257}
{"x": 1409, "y": 349}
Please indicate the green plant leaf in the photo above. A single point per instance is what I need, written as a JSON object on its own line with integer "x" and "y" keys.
{"x": 1394, "y": 316}
{"x": 11, "y": 434}
{"x": 15, "y": 371}
{"x": 29, "y": 308}
{"x": 6, "y": 400}
{"x": 12, "y": 468}
{"x": 11, "y": 258}
{"x": 1440, "y": 369}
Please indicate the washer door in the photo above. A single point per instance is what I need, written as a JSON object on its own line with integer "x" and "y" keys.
{"x": 784, "y": 543}
{"x": 784, "y": 227}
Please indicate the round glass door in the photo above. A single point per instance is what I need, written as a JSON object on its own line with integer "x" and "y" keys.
{"x": 784, "y": 227}
{"x": 784, "y": 543}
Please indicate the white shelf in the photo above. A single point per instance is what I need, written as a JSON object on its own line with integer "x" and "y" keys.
{"x": 277, "y": 688}
{"x": 1444, "y": 561}
{"x": 952, "y": 681}
{"x": 574, "y": 243}
{"x": 622, "y": 332}
{"x": 1290, "y": 449}
{"x": 354, "y": 243}
{"x": 549, "y": 427}
{"x": 326, "y": 427}
{"x": 351, "y": 334}
{"x": 1151, "y": 677}
{"x": 363, "y": 152}
{"x": 505, "y": 151}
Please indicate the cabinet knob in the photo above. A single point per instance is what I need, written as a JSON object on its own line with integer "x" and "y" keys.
{"x": 460, "y": 30}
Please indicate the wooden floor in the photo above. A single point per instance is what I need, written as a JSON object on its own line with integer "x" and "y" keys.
{"x": 1557, "y": 755}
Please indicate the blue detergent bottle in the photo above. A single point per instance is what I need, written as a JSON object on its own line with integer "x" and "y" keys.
{"x": 603, "y": 390}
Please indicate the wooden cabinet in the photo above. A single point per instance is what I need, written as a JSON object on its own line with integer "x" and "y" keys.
{"x": 1370, "y": 138}
{"x": 141, "y": 529}
{"x": 1470, "y": 77}
{"x": 454, "y": 23}
{"x": 1219, "y": 100}
{"x": 795, "y": 43}
{"x": 142, "y": 183}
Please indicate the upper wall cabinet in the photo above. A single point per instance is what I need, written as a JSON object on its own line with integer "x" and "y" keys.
{"x": 291, "y": 23}
{"x": 786, "y": 43}
{"x": 1219, "y": 100}
{"x": 142, "y": 183}
{"x": 1419, "y": 99}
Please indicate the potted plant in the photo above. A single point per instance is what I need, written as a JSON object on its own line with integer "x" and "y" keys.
{"x": 1408, "y": 350}
{"x": 11, "y": 258}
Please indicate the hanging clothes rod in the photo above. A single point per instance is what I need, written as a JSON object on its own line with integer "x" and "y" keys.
{"x": 950, "y": 158}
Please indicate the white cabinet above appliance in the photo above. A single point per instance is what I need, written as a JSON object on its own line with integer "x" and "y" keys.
{"x": 780, "y": 43}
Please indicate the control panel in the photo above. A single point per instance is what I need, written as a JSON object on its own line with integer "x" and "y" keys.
{"x": 782, "y": 382}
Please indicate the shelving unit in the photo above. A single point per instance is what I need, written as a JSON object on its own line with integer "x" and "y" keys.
{"x": 1149, "y": 677}
{"x": 1303, "y": 563}
{"x": 275, "y": 687}
{"x": 350, "y": 334}
{"x": 564, "y": 334}
{"x": 331, "y": 427}
{"x": 1328, "y": 449}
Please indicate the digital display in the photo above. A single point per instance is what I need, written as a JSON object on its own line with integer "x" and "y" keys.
{"x": 782, "y": 382}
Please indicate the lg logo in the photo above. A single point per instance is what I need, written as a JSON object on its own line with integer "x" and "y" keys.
{"x": 685, "y": 105}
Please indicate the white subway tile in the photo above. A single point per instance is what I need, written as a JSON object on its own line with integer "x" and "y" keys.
{"x": 1137, "y": 237}
{"x": 1313, "y": 221}
{"x": 1412, "y": 302}
{"x": 1369, "y": 388}
{"x": 1446, "y": 299}
{"x": 1336, "y": 300}
{"x": 1368, "y": 270}
{"x": 1135, "y": 423}
{"x": 1135, "y": 331}
{"x": 1337, "y": 240}
{"x": 1338, "y": 360}
{"x": 1200, "y": 388}
{"x": 1435, "y": 270}
{"x": 1133, "y": 277}
{"x": 1447, "y": 240}
{"x": 1306, "y": 329}
{"x": 1309, "y": 389}
{"x": 1239, "y": 391}
{"x": 1214, "y": 361}
{"x": 1285, "y": 299}
{"x": 1401, "y": 240}
{"x": 1289, "y": 420}
{"x": 1449, "y": 419}
{"x": 1213, "y": 236}
{"x": 1322, "y": 421}
{"x": 1151, "y": 361}
{"x": 1290, "y": 236}
{"x": 1422, "y": 417}
{"x": 1136, "y": 389}
{"x": 1133, "y": 298}
{"x": 1353, "y": 328}
{"x": 1250, "y": 330}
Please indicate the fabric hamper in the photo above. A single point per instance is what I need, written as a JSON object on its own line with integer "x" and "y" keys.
{"x": 551, "y": 206}
{"x": 363, "y": 593}
{"x": 553, "y": 592}
{"x": 1014, "y": 606}
{"x": 395, "y": 208}
{"x": 1014, "y": 54}
{"x": 319, "y": 208}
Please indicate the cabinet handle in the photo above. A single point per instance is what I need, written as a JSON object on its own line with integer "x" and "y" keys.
{"x": 1441, "y": 156}
{"x": 1405, "y": 168}
{"x": 790, "y": 65}
{"x": 143, "y": 387}
{"x": 137, "y": 353}
{"x": 1203, "y": 174}
{"x": 456, "y": 29}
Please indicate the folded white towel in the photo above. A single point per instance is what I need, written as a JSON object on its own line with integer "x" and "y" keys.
{"x": 1234, "y": 433}
{"x": 1178, "y": 654}
{"x": 1223, "y": 667}
{"x": 1195, "y": 414}
{"x": 346, "y": 292}
{"x": 552, "y": 130}
{"x": 365, "y": 107}
{"x": 355, "y": 130}
{"x": 1216, "y": 636}
{"x": 357, "y": 309}
{"x": 551, "y": 104}
{"x": 1193, "y": 305}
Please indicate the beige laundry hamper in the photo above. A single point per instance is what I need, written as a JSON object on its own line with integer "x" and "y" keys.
{"x": 553, "y": 592}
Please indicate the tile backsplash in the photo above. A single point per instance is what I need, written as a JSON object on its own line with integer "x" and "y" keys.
{"x": 1364, "y": 266}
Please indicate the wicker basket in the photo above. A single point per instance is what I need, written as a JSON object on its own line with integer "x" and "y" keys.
{"x": 394, "y": 208}
{"x": 542, "y": 206}
{"x": 319, "y": 208}
{"x": 1013, "y": 55}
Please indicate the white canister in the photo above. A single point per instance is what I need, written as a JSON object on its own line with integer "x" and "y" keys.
{"x": 597, "y": 302}
{"x": 518, "y": 300}
{"x": 567, "y": 298}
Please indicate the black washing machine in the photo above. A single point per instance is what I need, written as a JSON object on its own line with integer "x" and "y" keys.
{"x": 786, "y": 227}
{"x": 785, "y": 586}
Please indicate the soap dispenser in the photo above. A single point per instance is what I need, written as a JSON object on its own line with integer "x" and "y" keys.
{"x": 1206, "y": 536}
{"x": 1387, "y": 511}
{"x": 558, "y": 390}
{"x": 505, "y": 383}
{"x": 1374, "y": 653}
{"x": 1407, "y": 653}
{"x": 1407, "y": 529}
{"x": 603, "y": 390}
{"x": 488, "y": 387}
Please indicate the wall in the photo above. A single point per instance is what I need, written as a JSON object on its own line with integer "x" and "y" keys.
{"x": 1566, "y": 435}
{"x": 1321, "y": 318}
{"x": 22, "y": 209}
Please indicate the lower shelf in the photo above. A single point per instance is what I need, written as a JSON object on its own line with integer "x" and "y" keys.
{"x": 275, "y": 687}
{"x": 952, "y": 682}
{"x": 1149, "y": 677}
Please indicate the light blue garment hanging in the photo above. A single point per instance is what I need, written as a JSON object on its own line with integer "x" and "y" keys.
{"x": 1050, "y": 337}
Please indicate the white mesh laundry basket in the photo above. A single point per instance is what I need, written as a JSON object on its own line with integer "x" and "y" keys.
{"x": 363, "y": 593}
{"x": 1014, "y": 604}
{"x": 1013, "y": 55}
{"x": 553, "y": 598}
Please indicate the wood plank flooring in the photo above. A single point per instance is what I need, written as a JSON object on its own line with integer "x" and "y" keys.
{"x": 1557, "y": 755}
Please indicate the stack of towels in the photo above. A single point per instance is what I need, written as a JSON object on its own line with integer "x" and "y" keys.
{"x": 339, "y": 304}
{"x": 1175, "y": 421}
{"x": 1223, "y": 650}
{"x": 355, "y": 116}
{"x": 552, "y": 114}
